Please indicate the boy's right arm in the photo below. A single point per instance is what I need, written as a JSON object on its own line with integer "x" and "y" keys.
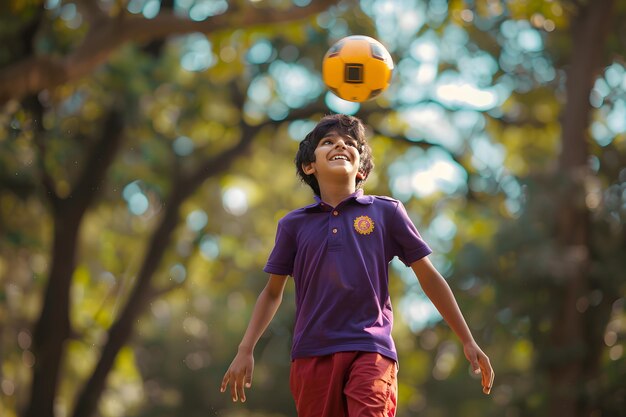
{"x": 240, "y": 370}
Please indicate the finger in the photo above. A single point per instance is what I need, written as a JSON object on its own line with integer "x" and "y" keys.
{"x": 485, "y": 381}
{"x": 248, "y": 379}
{"x": 473, "y": 359}
{"x": 487, "y": 387}
{"x": 240, "y": 390}
{"x": 487, "y": 376}
{"x": 486, "y": 390}
{"x": 233, "y": 389}
{"x": 475, "y": 366}
{"x": 224, "y": 382}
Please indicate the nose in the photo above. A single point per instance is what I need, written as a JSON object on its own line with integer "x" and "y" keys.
{"x": 340, "y": 143}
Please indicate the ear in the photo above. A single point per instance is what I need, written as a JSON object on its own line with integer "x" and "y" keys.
{"x": 309, "y": 168}
{"x": 360, "y": 176}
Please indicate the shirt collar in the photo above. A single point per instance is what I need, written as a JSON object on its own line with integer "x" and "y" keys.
{"x": 357, "y": 196}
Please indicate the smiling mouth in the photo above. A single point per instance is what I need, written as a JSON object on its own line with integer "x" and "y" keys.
{"x": 340, "y": 158}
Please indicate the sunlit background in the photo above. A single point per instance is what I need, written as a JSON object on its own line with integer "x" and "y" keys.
{"x": 467, "y": 136}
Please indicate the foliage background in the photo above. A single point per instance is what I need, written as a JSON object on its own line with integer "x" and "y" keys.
{"x": 146, "y": 153}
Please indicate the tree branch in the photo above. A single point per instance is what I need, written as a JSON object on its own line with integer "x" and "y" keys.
{"x": 98, "y": 161}
{"x": 37, "y": 73}
{"x": 91, "y": 11}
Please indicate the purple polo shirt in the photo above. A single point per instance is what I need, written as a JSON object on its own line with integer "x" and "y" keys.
{"x": 339, "y": 259}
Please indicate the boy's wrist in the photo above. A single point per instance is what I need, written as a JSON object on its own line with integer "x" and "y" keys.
{"x": 468, "y": 341}
{"x": 246, "y": 349}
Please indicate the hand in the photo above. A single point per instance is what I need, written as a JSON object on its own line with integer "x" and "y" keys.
{"x": 480, "y": 365}
{"x": 238, "y": 375}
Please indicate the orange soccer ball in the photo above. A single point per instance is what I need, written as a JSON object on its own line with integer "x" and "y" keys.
{"x": 357, "y": 68}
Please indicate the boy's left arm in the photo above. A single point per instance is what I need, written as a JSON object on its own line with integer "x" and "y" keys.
{"x": 439, "y": 292}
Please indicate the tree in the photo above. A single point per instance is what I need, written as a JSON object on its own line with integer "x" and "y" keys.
{"x": 573, "y": 301}
{"x": 517, "y": 185}
{"x": 576, "y": 341}
{"x": 110, "y": 29}
{"x": 35, "y": 73}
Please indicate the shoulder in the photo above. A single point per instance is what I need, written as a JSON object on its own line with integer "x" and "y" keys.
{"x": 390, "y": 208}
{"x": 385, "y": 202}
{"x": 385, "y": 199}
{"x": 296, "y": 215}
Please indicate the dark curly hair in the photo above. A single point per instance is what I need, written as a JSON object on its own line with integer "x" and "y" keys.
{"x": 344, "y": 125}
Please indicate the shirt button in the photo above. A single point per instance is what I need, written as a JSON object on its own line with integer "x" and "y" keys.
{"x": 335, "y": 213}
{"x": 335, "y": 231}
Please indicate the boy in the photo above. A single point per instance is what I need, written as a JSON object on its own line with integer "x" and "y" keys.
{"x": 338, "y": 251}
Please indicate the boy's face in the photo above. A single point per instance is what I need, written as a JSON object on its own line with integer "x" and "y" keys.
{"x": 336, "y": 156}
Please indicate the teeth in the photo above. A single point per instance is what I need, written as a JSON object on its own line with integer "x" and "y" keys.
{"x": 337, "y": 157}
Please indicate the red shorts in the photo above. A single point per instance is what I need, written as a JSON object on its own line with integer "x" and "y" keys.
{"x": 344, "y": 384}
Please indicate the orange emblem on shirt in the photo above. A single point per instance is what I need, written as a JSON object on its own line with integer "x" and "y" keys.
{"x": 364, "y": 225}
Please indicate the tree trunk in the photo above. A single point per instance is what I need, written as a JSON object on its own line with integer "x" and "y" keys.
{"x": 572, "y": 342}
{"x": 53, "y": 326}
{"x": 121, "y": 331}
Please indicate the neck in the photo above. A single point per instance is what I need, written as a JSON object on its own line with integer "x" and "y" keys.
{"x": 333, "y": 194}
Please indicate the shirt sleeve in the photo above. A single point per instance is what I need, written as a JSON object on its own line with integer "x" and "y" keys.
{"x": 281, "y": 259}
{"x": 409, "y": 245}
